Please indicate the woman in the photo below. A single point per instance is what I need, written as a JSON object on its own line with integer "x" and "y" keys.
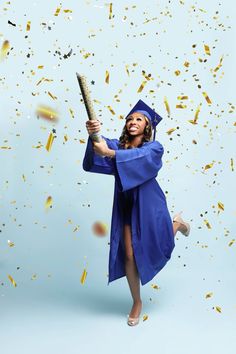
{"x": 142, "y": 232}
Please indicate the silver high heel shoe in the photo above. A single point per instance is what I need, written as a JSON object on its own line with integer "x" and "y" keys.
{"x": 178, "y": 218}
{"x": 132, "y": 321}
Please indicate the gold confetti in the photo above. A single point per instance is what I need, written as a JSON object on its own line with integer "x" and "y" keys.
{"x": 57, "y": 11}
{"x": 83, "y": 277}
{"x": 28, "y": 26}
{"x": 182, "y": 98}
{"x": 206, "y": 97}
{"x": 210, "y": 165}
{"x": 145, "y": 317}
{"x": 110, "y": 10}
{"x": 40, "y": 66}
{"x": 43, "y": 79}
{"x": 82, "y": 141}
{"x": 218, "y": 308}
{"x": 100, "y": 228}
{"x": 111, "y": 110}
{"x": 52, "y": 96}
{"x": 126, "y": 68}
{"x": 207, "y": 224}
{"x": 34, "y": 276}
{"x": 24, "y": 179}
{"x": 196, "y": 115}
{"x": 67, "y": 10}
{"x": 208, "y": 295}
{"x": 170, "y": 131}
{"x": 141, "y": 87}
{"x": 167, "y": 105}
{"x": 71, "y": 112}
{"x": 207, "y": 49}
{"x": 47, "y": 112}
{"x": 186, "y": 63}
{"x": 4, "y": 50}
{"x": 10, "y": 243}
{"x": 232, "y": 164}
{"x": 177, "y": 72}
{"x": 65, "y": 137}
{"x": 155, "y": 286}
{"x": 219, "y": 65}
{"x": 12, "y": 280}
{"x": 49, "y": 142}
{"x": 181, "y": 106}
{"x": 221, "y": 206}
{"x": 231, "y": 242}
{"x": 48, "y": 202}
{"x": 107, "y": 77}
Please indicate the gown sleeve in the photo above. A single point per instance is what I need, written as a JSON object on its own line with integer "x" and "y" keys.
{"x": 93, "y": 162}
{"x": 138, "y": 165}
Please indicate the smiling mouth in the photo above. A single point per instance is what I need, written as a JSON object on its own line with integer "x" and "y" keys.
{"x": 133, "y": 128}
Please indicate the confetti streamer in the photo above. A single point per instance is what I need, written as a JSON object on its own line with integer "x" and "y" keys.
{"x": 49, "y": 142}
{"x": 83, "y": 277}
{"x": 47, "y": 112}
{"x": 141, "y": 87}
{"x": 167, "y": 105}
{"x": 12, "y": 280}
{"x": 107, "y": 77}
{"x": 110, "y": 11}
{"x": 111, "y": 110}
{"x": 4, "y": 50}
{"x": 207, "y": 49}
{"x": 28, "y": 26}
{"x": 206, "y": 97}
{"x": 48, "y": 202}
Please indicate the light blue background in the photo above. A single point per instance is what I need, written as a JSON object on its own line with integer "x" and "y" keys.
{"x": 55, "y": 313}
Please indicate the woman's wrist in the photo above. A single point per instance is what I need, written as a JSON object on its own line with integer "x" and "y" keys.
{"x": 110, "y": 153}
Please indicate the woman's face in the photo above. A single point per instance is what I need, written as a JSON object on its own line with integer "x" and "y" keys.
{"x": 136, "y": 123}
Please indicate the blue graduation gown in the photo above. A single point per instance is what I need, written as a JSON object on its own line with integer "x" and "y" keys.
{"x": 135, "y": 170}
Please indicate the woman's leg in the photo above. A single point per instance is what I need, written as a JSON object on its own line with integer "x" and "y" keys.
{"x": 132, "y": 273}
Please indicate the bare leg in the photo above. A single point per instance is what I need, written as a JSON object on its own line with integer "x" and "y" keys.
{"x": 132, "y": 273}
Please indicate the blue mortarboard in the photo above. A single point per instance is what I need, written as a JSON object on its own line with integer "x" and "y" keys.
{"x": 143, "y": 108}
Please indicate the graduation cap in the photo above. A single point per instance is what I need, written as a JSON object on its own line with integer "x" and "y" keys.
{"x": 150, "y": 113}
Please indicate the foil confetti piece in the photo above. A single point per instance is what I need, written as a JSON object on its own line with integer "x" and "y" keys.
{"x": 141, "y": 87}
{"x": 207, "y": 224}
{"x": 232, "y": 164}
{"x": 34, "y": 276}
{"x": 47, "y": 112}
{"x": 218, "y": 309}
{"x": 28, "y": 25}
{"x": 110, "y": 11}
{"x": 181, "y": 106}
{"x": 207, "y": 49}
{"x": 177, "y": 72}
{"x": 145, "y": 317}
{"x": 10, "y": 243}
{"x": 4, "y": 50}
{"x": 49, "y": 142}
{"x": 219, "y": 65}
{"x": 107, "y": 77}
{"x": 167, "y": 105}
{"x": 221, "y": 206}
{"x": 186, "y": 63}
{"x": 210, "y": 165}
{"x": 71, "y": 112}
{"x": 57, "y": 11}
{"x": 12, "y": 280}
{"x": 208, "y": 295}
{"x": 170, "y": 131}
{"x": 111, "y": 110}
{"x": 155, "y": 286}
{"x": 83, "y": 277}
{"x": 231, "y": 242}
{"x": 48, "y": 202}
{"x": 206, "y": 97}
{"x": 127, "y": 70}
{"x": 182, "y": 98}
{"x": 52, "y": 96}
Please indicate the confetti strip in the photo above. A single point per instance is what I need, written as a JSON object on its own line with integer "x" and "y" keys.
{"x": 167, "y": 105}
{"x": 210, "y": 165}
{"x": 196, "y": 115}
{"x": 107, "y": 77}
{"x": 181, "y": 106}
{"x": 127, "y": 70}
{"x": 177, "y": 72}
{"x": 111, "y": 110}
{"x": 232, "y": 164}
{"x": 219, "y": 65}
{"x": 57, "y": 11}
{"x": 52, "y": 96}
{"x": 208, "y": 295}
{"x": 71, "y": 112}
{"x": 47, "y": 112}
{"x": 141, "y": 87}
{"x": 207, "y": 49}
{"x": 12, "y": 281}
{"x": 154, "y": 286}
{"x": 49, "y": 142}
{"x": 10, "y": 243}
{"x": 207, "y": 224}
{"x": 28, "y": 26}
{"x": 145, "y": 317}
{"x": 231, "y": 242}
{"x": 48, "y": 202}
{"x": 182, "y": 98}
{"x": 206, "y": 97}
{"x": 83, "y": 277}
{"x": 221, "y": 206}
{"x": 110, "y": 11}
{"x": 4, "y": 50}
{"x": 170, "y": 131}
{"x": 218, "y": 308}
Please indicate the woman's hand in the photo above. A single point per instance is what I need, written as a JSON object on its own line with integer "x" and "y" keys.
{"x": 101, "y": 148}
{"x": 93, "y": 126}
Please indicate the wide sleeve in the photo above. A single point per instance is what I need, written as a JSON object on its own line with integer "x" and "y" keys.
{"x": 93, "y": 162}
{"x": 138, "y": 165}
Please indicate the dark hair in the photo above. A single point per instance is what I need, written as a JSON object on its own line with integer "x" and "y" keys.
{"x": 125, "y": 137}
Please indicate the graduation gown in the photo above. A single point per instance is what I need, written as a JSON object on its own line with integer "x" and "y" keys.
{"x": 135, "y": 170}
